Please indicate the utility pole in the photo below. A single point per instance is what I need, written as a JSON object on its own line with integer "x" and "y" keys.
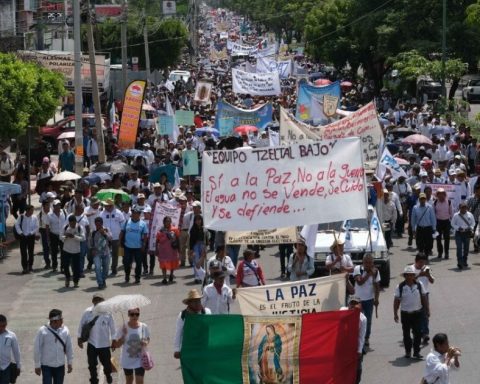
{"x": 444, "y": 47}
{"x": 77, "y": 82}
{"x": 96, "y": 97}
{"x": 147, "y": 50}
{"x": 123, "y": 32}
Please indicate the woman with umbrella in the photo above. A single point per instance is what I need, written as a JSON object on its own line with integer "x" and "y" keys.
{"x": 167, "y": 247}
{"x": 134, "y": 336}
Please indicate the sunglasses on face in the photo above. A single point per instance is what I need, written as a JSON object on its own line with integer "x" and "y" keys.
{"x": 134, "y": 314}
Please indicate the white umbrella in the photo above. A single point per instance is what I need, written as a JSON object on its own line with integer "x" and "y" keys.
{"x": 121, "y": 303}
{"x": 65, "y": 176}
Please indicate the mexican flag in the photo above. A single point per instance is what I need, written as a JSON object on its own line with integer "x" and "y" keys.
{"x": 317, "y": 348}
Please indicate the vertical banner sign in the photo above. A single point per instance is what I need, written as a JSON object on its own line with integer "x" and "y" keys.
{"x": 160, "y": 211}
{"x": 304, "y": 183}
{"x": 305, "y": 93}
{"x": 132, "y": 107}
{"x": 202, "y": 92}
{"x": 293, "y": 298}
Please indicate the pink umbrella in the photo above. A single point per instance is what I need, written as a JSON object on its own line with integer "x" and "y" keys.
{"x": 346, "y": 84}
{"x": 245, "y": 129}
{"x": 417, "y": 139}
{"x": 322, "y": 82}
{"x": 401, "y": 161}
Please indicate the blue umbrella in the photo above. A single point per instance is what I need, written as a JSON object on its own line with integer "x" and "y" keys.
{"x": 9, "y": 188}
{"x": 201, "y": 131}
{"x": 96, "y": 178}
{"x": 132, "y": 153}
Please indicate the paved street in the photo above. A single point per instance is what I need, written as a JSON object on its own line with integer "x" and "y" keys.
{"x": 27, "y": 299}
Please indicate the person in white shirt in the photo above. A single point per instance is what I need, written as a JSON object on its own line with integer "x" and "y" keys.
{"x": 218, "y": 296}
{"x": 149, "y": 156}
{"x": 440, "y": 360}
{"x": 72, "y": 235}
{"x": 133, "y": 181}
{"x": 7, "y": 166}
{"x": 226, "y": 263}
{"x": 424, "y": 276}
{"x": 463, "y": 224}
{"x": 367, "y": 289}
{"x": 92, "y": 148}
{"x": 27, "y": 228}
{"x": 8, "y": 348}
{"x": 114, "y": 220}
{"x": 355, "y": 303}
{"x": 53, "y": 344}
{"x": 410, "y": 298}
{"x": 99, "y": 340}
{"x": 157, "y": 194}
{"x": 82, "y": 220}
{"x": 337, "y": 261}
{"x": 194, "y": 305}
{"x": 56, "y": 221}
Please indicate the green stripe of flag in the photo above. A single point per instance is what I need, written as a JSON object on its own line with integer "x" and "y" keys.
{"x": 223, "y": 339}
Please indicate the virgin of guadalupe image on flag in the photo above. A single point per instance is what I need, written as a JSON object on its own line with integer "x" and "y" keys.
{"x": 271, "y": 349}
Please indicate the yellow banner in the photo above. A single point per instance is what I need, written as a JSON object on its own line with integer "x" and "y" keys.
{"x": 132, "y": 107}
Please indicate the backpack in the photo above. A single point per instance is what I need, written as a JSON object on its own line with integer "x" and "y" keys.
{"x": 86, "y": 328}
{"x": 403, "y": 283}
{"x": 15, "y": 233}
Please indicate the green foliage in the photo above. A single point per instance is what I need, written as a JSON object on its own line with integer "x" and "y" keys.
{"x": 166, "y": 39}
{"x": 29, "y": 95}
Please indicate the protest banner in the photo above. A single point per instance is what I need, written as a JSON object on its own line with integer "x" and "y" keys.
{"x": 266, "y": 65}
{"x": 184, "y": 118}
{"x": 190, "y": 162}
{"x": 165, "y": 125}
{"x": 228, "y": 117}
{"x": 305, "y": 183}
{"x": 160, "y": 211}
{"x": 202, "y": 92}
{"x": 169, "y": 170}
{"x": 236, "y": 49}
{"x": 305, "y": 93}
{"x": 263, "y": 237}
{"x": 132, "y": 107}
{"x": 293, "y": 298}
{"x": 362, "y": 123}
{"x": 270, "y": 51}
{"x": 453, "y": 192}
{"x": 387, "y": 161}
{"x": 256, "y": 84}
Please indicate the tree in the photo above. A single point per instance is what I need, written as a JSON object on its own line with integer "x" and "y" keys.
{"x": 29, "y": 95}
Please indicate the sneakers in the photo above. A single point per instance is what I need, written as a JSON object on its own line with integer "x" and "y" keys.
{"x": 417, "y": 356}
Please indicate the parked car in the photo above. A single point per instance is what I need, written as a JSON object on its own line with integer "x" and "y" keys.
{"x": 176, "y": 75}
{"x": 359, "y": 244}
{"x": 471, "y": 91}
{"x": 50, "y": 133}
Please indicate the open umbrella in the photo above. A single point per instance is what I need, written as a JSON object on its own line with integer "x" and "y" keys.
{"x": 201, "y": 131}
{"x": 65, "y": 176}
{"x": 322, "y": 82}
{"x": 110, "y": 193}
{"x": 147, "y": 107}
{"x": 417, "y": 139}
{"x": 132, "y": 153}
{"x": 9, "y": 188}
{"x": 114, "y": 167}
{"x": 98, "y": 177}
{"x": 121, "y": 303}
{"x": 401, "y": 161}
{"x": 245, "y": 129}
{"x": 346, "y": 84}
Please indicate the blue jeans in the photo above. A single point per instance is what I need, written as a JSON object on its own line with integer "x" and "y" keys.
{"x": 462, "y": 240}
{"x": 367, "y": 309}
{"x": 5, "y": 376}
{"x": 83, "y": 254}
{"x": 131, "y": 255}
{"x": 53, "y": 375}
{"x": 102, "y": 264}
{"x": 233, "y": 251}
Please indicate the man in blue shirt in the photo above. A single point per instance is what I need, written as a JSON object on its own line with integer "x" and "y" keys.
{"x": 134, "y": 239}
{"x": 424, "y": 224}
{"x": 66, "y": 159}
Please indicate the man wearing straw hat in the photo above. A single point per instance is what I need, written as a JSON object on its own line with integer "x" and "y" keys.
{"x": 193, "y": 301}
{"x": 337, "y": 261}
